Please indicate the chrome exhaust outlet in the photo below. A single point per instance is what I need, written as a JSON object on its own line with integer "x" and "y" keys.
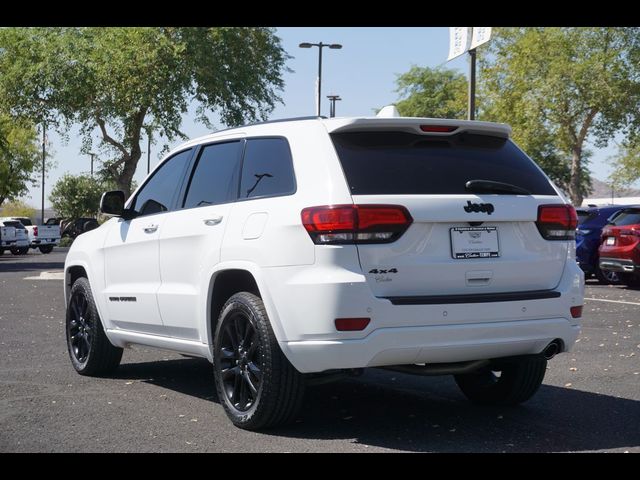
{"x": 551, "y": 350}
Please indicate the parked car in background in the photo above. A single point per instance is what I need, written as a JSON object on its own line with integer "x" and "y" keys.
{"x": 43, "y": 237}
{"x": 620, "y": 248}
{"x": 588, "y": 236}
{"x": 7, "y": 237}
{"x": 21, "y": 245}
{"x": 73, "y": 228}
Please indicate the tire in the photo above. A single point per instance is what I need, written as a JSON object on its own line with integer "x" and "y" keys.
{"x": 256, "y": 384}
{"x": 89, "y": 349}
{"x": 517, "y": 382}
{"x": 1, "y": 251}
{"x": 23, "y": 251}
{"x": 46, "y": 249}
{"x": 16, "y": 251}
{"x": 607, "y": 277}
{"x": 630, "y": 280}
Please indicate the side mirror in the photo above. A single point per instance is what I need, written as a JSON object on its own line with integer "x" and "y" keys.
{"x": 112, "y": 203}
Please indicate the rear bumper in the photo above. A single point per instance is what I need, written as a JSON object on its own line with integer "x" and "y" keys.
{"x": 305, "y": 301}
{"x": 434, "y": 344}
{"x": 620, "y": 265}
{"x": 45, "y": 241}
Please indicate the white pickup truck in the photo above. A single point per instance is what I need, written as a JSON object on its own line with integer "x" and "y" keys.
{"x": 14, "y": 237}
{"x": 44, "y": 237}
{"x": 7, "y": 238}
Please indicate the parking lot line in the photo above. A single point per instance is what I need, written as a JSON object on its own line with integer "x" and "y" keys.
{"x": 611, "y": 301}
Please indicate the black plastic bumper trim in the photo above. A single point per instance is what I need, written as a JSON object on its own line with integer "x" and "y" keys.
{"x": 474, "y": 298}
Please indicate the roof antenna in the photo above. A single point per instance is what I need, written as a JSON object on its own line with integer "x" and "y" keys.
{"x": 390, "y": 111}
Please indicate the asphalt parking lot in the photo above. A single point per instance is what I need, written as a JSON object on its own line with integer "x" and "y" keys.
{"x": 159, "y": 401}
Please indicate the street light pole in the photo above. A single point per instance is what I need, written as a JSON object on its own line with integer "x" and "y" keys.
{"x": 91, "y": 154}
{"x": 332, "y": 105}
{"x": 320, "y": 47}
{"x": 148, "y": 153}
{"x": 44, "y": 156}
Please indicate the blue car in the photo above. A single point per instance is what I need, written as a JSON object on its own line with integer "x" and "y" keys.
{"x": 590, "y": 223}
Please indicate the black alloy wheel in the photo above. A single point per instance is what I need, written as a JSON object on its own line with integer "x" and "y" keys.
{"x": 79, "y": 328}
{"x": 256, "y": 384}
{"x": 239, "y": 354}
{"x": 90, "y": 351}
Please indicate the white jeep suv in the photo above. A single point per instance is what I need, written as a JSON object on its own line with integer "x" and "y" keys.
{"x": 291, "y": 250}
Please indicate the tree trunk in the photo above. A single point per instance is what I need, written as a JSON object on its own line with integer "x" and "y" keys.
{"x": 125, "y": 177}
{"x": 576, "y": 172}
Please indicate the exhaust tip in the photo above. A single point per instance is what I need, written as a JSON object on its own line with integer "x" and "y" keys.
{"x": 551, "y": 350}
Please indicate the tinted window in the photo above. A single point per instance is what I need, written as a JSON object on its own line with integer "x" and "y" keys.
{"x": 582, "y": 216}
{"x": 405, "y": 163}
{"x": 214, "y": 180}
{"x": 25, "y": 221}
{"x": 626, "y": 217}
{"x": 157, "y": 194}
{"x": 267, "y": 169}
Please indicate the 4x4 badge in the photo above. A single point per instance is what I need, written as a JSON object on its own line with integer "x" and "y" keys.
{"x": 479, "y": 207}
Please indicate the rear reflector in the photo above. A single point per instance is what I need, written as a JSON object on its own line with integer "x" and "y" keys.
{"x": 557, "y": 222}
{"x": 346, "y": 224}
{"x": 351, "y": 324}
{"x": 437, "y": 128}
{"x": 576, "y": 312}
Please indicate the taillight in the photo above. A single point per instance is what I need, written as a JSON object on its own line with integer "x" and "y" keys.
{"x": 35, "y": 231}
{"x": 345, "y": 224}
{"x": 632, "y": 231}
{"x": 557, "y": 222}
{"x": 576, "y": 312}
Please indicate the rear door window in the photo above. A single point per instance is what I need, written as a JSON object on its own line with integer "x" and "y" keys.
{"x": 379, "y": 163}
{"x": 215, "y": 178}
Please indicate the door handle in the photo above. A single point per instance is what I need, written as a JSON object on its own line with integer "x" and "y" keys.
{"x": 150, "y": 228}
{"x": 213, "y": 221}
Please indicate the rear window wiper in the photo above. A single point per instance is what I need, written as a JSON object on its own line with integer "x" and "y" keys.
{"x": 490, "y": 186}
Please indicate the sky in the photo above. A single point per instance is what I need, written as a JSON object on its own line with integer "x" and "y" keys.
{"x": 363, "y": 73}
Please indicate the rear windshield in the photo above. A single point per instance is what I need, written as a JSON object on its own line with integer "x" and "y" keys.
{"x": 626, "y": 217}
{"x": 13, "y": 224}
{"x": 378, "y": 163}
{"x": 582, "y": 216}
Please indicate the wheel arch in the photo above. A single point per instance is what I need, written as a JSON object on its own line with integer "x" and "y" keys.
{"x": 76, "y": 269}
{"x": 233, "y": 278}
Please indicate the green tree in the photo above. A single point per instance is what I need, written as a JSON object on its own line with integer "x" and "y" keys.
{"x": 562, "y": 87}
{"x": 76, "y": 196}
{"x": 18, "y": 208}
{"x": 124, "y": 82}
{"x": 626, "y": 164}
{"x": 18, "y": 157}
{"x": 432, "y": 92}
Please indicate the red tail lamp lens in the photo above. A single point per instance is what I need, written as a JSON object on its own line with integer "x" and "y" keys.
{"x": 557, "y": 222}
{"x": 348, "y": 224}
{"x": 576, "y": 312}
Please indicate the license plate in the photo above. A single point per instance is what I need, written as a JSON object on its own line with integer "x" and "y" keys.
{"x": 474, "y": 242}
{"x": 610, "y": 241}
